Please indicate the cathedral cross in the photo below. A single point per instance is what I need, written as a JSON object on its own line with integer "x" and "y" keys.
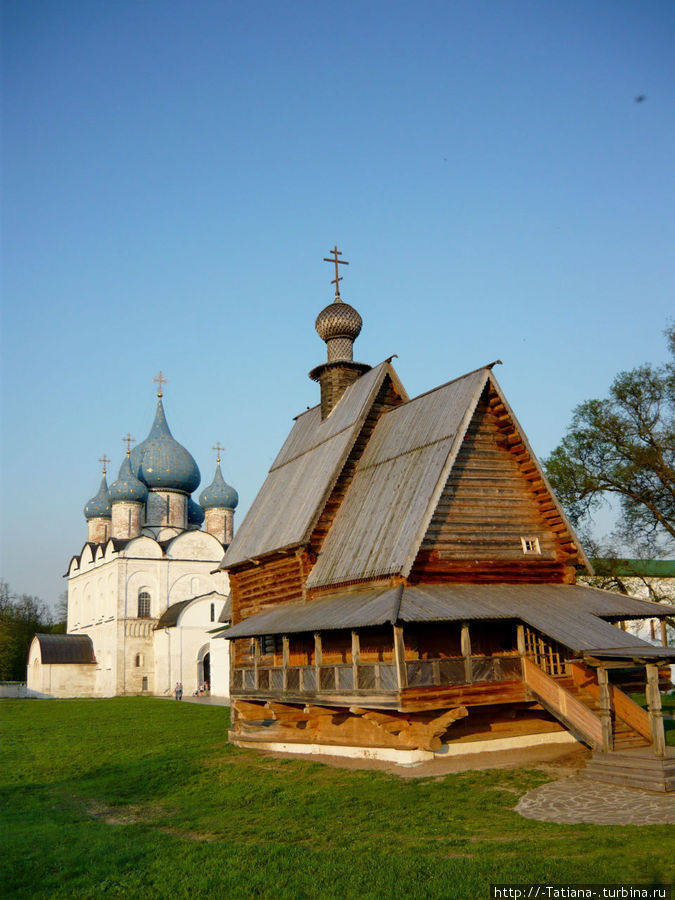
{"x": 218, "y": 448}
{"x": 104, "y": 462}
{"x": 337, "y": 262}
{"x": 160, "y": 379}
{"x": 128, "y": 440}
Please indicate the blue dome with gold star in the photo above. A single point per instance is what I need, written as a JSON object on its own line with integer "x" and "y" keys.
{"x": 161, "y": 462}
{"x": 195, "y": 514}
{"x": 99, "y": 506}
{"x": 127, "y": 487}
{"x": 219, "y": 494}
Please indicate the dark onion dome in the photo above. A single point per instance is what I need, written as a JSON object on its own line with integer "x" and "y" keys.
{"x": 339, "y": 320}
{"x": 161, "y": 462}
{"x": 99, "y": 505}
{"x": 219, "y": 494}
{"x": 195, "y": 514}
{"x": 127, "y": 487}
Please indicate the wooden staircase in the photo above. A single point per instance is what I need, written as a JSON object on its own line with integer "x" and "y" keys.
{"x": 620, "y": 735}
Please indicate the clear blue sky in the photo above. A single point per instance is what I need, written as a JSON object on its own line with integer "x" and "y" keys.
{"x": 174, "y": 172}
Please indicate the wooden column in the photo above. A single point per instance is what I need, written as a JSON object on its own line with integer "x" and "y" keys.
{"x": 317, "y": 659}
{"x": 520, "y": 639}
{"x": 605, "y": 700}
{"x": 285, "y": 656}
{"x": 655, "y": 714}
{"x": 399, "y": 658}
{"x": 466, "y": 653}
{"x": 256, "y": 662}
{"x": 664, "y": 633}
{"x": 356, "y": 658}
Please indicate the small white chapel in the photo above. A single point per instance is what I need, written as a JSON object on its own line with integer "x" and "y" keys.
{"x": 145, "y": 596}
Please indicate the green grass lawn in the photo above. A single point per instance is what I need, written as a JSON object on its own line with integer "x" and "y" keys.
{"x": 145, "y": 798}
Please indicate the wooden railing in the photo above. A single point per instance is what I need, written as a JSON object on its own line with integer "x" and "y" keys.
{"x": 377, "y": 678}
{"x": 462, "y": 670}
{"x": 624, "y": 708}
{"x": 563, "y": 704}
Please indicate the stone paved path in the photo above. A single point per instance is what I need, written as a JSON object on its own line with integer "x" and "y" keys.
{"x": 582, "y": 799}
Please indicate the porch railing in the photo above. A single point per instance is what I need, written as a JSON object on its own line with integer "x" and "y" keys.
{"x": 462, "y": 670}
{"x": 379, "y": 677}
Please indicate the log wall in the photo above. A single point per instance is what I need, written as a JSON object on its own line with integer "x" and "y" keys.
{"x": 494, "y": 496}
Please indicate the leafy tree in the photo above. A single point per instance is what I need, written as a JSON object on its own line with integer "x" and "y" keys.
{"x": 624, "y": 446}
{"x": 21, "y": 617}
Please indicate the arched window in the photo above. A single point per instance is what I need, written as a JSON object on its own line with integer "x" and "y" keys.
{"x": 139, "y": 660}
{"x": 213, "y": 612}
{"x": 143, "y": 605}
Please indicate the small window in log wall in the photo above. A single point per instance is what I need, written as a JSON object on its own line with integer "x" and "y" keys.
{"x": 530, "y": 545}
{"x": 268, "y": 643}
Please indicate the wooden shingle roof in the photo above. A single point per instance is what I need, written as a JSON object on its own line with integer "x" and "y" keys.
{"x": 304, "y": 472}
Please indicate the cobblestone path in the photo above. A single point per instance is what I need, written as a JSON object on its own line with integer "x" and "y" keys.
{"x": 582, "y": 799}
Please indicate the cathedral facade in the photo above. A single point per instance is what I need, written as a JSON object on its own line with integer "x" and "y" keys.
{"x": 144, "y": 593}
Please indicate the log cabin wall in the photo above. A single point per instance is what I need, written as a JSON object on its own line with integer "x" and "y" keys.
{"x": 436, "y": 640}
{"x": 494, "y": 496}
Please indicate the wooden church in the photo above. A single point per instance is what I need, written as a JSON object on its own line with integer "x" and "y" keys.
{"x": 404, "y": 585}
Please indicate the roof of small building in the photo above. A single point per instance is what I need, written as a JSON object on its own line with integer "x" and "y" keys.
{"x": 646, "y": 568}
{"x": 65, "y": 648}
{"x": 304, "y": 472}
{"x": 573, "y": 615}
{"x": 170, "y": 616}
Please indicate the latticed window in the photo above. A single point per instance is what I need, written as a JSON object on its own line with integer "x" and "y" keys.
{"x": 143, "y": 605}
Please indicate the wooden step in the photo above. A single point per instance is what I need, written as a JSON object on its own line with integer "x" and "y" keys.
{"x": 636, "y": 767}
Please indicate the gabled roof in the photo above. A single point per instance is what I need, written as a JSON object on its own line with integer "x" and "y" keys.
{"x": 570, "y": 614}
{"x": 65, "y": 648}
{"x": 294, "y": 493}
{"x": 381, "y": 523}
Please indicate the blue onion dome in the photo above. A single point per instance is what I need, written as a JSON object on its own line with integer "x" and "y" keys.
{"x": 195, "y": 514}
{"x": 127, "y": 487}
{"x": 161, "y": 462}
{"x": 99, "y": 506}
{"x": 219, "y": 494}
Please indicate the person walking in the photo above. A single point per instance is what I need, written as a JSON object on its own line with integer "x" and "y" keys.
{"x": 178, "y": 691}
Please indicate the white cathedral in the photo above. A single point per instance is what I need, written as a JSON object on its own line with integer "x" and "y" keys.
{"x": 144, "y": 594}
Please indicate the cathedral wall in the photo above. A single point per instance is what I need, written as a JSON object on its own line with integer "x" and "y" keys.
{"x": 103, "y": 602}
{"x": 127, "y": 519}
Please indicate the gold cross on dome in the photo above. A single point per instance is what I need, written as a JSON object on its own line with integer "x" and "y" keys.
{"x": 337, "y": 262}
{"x": 218, "y": 448}
{"x": 128, "y": 440}
{"x": 104, "y": 462}
{"x": 160, "y": 379}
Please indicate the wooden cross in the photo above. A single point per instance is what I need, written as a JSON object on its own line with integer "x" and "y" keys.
{"x": 337, "y": 262}
{"x": 160, "y": 380}
{"x": 218, "y": 448}
{"x": 104, "y": 461}
{"x": 128, "y": 440}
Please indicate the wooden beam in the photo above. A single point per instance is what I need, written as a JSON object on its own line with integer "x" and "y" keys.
{"x": 399, "y": 657}
{"x": 655, "y": 714}
{"x": 664, "y": 633}
{"x": 285, "y": 658}
{"x": 256, "y": 662}
{"x": 520, "y": 638}
{"x": 466, "y": 653}
{"x": 356, "y": 658}
{"x": 605, "y": 699}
